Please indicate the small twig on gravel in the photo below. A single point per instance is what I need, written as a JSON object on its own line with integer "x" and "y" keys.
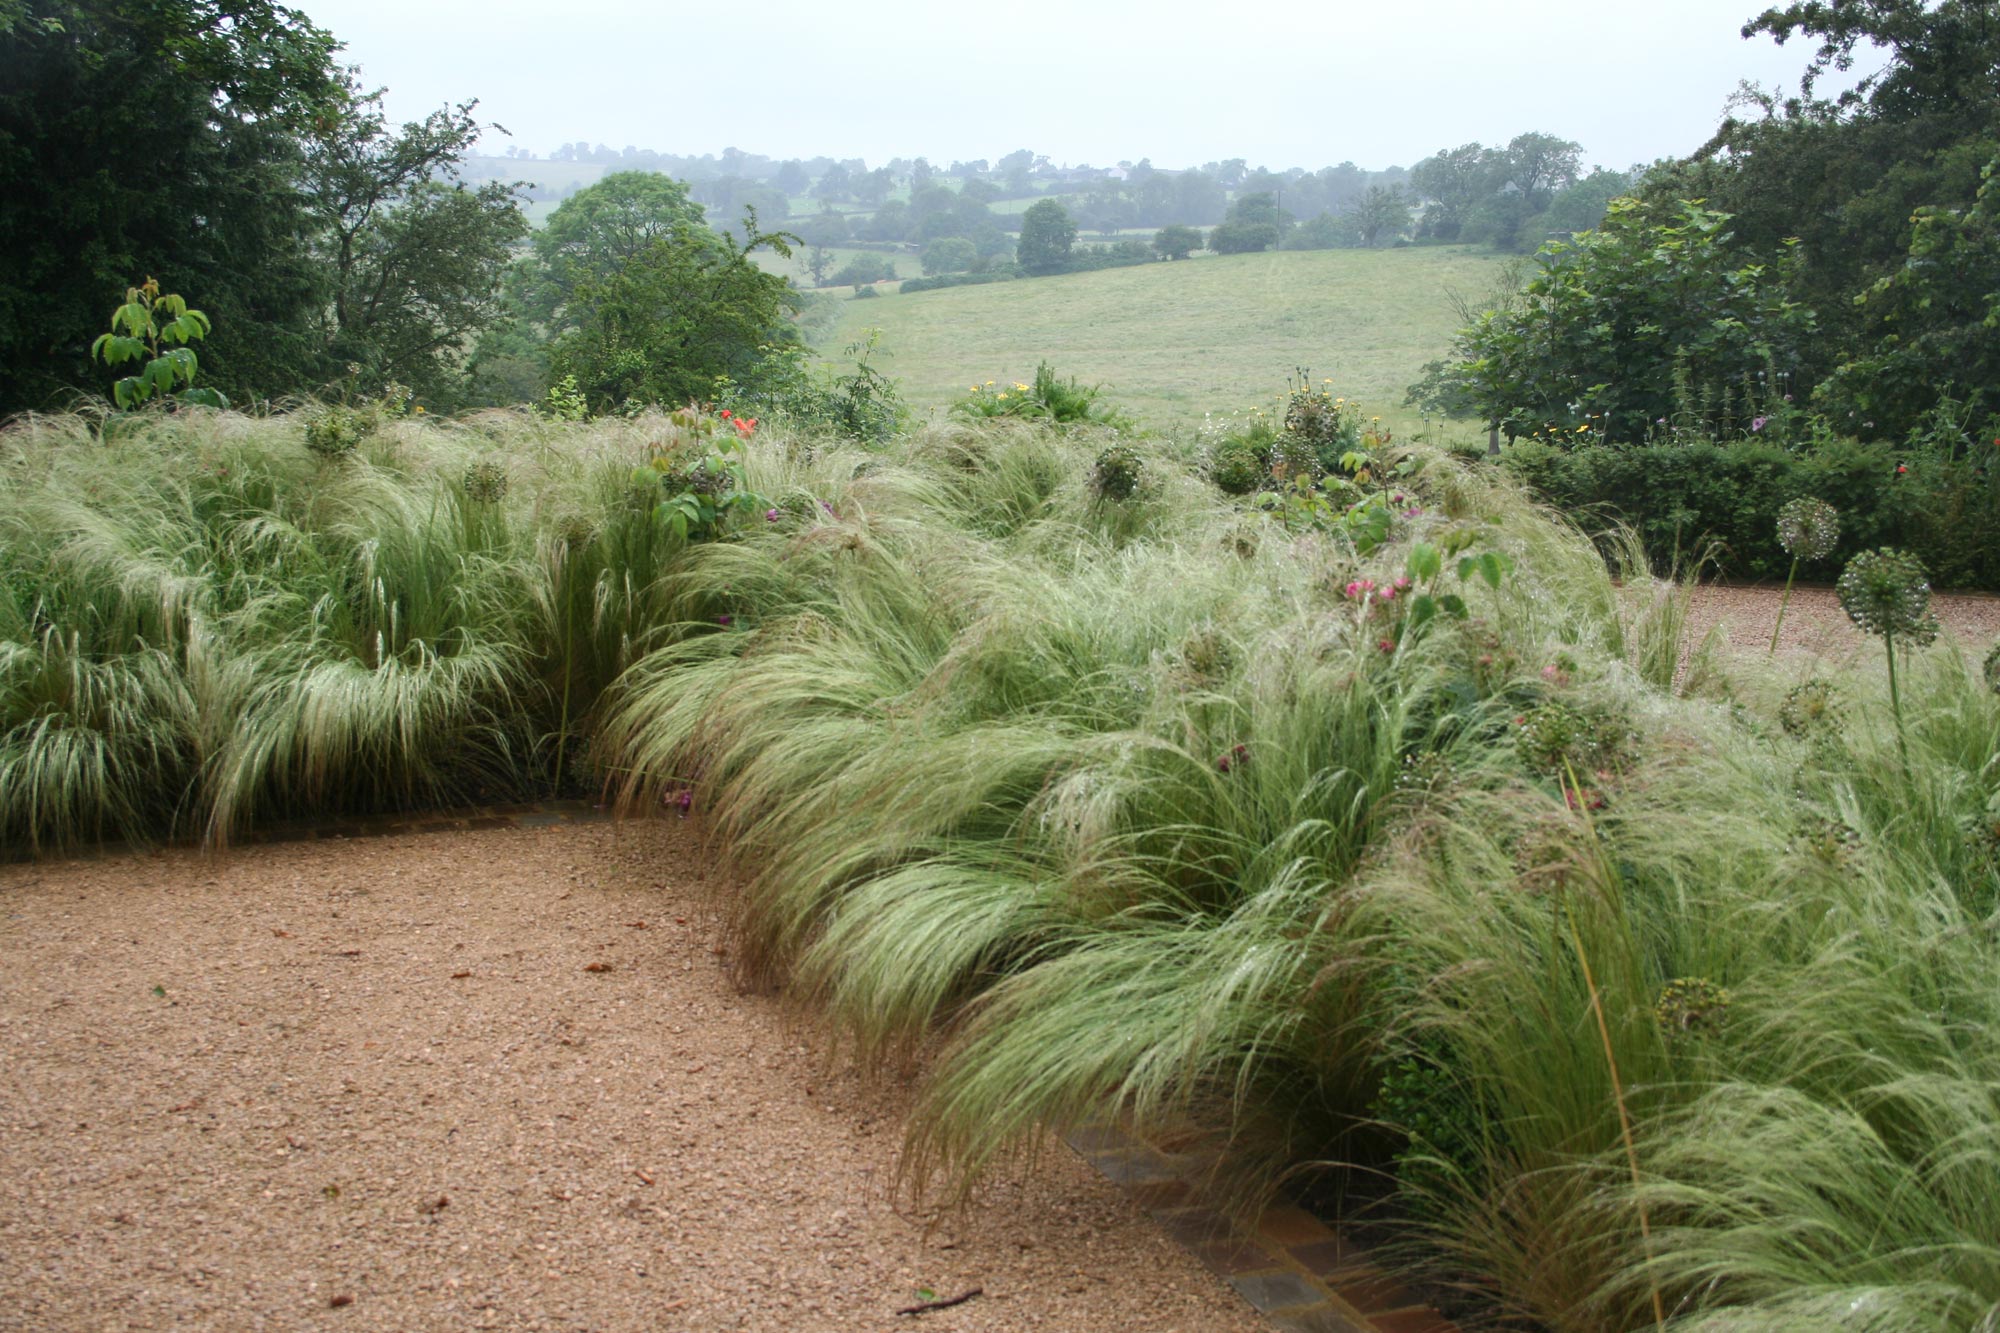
{"x": 928, "y": 1306}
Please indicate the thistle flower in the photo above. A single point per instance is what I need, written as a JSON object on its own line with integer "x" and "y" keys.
{"x": 486, "y": 481}
{"x": 1888, "y": 592}
{"x": 1691, "y": 1004}
{"x": 1808, "y": 528}
{"x": 1810, "y": 708}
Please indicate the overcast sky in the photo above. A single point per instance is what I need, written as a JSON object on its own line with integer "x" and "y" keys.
{"x": 1097, "y": 81}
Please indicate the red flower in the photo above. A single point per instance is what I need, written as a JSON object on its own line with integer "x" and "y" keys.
{"x": 726, "y": 414}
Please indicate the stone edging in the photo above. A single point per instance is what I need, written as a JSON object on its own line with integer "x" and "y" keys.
{"x": 1301, "y": 1274}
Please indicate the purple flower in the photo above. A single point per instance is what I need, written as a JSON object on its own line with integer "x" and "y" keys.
{"x": 827, "y": 505}
{"x": 770, "y": 516}
{"x": 1757, "y": 423}
{"x": 725, "y": 621}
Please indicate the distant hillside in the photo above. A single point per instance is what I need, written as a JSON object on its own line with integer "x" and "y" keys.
{"x": 1169, "y": 341}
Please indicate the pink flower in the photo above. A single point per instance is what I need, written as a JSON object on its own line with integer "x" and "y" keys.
{"x": 1387, "y": 594}
{"x": 1385, "y": 645}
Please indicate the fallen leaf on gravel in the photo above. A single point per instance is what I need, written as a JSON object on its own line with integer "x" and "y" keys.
{"x": 638, "y": 925}
{"x": 460, "y": 976}
{"x": 597, "y": 967}
{"x": 432, "y": 1209}
{"x": 341, "y": 1300}
{"x": 281, "y": 934}
{"x": 642, "y": 1175}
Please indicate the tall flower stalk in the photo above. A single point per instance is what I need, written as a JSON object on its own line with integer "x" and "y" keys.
{"x": 1888, "y": 592}
{"x": 1807, "y": 529}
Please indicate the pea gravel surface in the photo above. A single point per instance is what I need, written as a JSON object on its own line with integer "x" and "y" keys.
{"x": 482, "y": 1080}
{"x": 1815, "y": 625}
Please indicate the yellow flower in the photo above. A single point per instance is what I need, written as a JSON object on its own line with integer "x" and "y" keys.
{"x": 1581, "y": 429}
{"x": 974, "y": 389}
{"x": 1003, "y": 393}
{"x": 418, "y": 409}
{"x": 1020, "y": 386}
{"x": 989, "y": 384}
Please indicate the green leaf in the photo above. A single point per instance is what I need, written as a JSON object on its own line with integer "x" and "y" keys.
{"x": 1424, "y": 562}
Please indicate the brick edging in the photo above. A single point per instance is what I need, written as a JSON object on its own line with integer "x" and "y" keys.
{"x": 1301, "y": 1274}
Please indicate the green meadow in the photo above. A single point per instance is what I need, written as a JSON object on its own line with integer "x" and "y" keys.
{"x": 1170, "y": 341}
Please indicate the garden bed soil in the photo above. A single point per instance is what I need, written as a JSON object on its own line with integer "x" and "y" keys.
{"x": 495, "y": 1079}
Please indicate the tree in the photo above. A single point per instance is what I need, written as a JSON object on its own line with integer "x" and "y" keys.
{"x": 1046, "y": 237}
{"x": 1241, "y": 238}
{"x": 1259, "y": 207}
{"x": 413, "y": 260}
{"x": 157, "y": 139}
{"x": 1176, "y": 241}
{"x": 1649, "y": 317}
{"x": 1931, "y": 327}
{"x": 949, "y": 254}
{"x": 600, "y": 229}
{"x": 819, "y": 263}
{"x": 1454, "y": 181}
{"x": 1581, "y": 205}
{"x": 664, "y": 325}
{"x": 1540, "y": 164}
{"x": 1854, "y": 178}
{"x": 834, "y": 183}
{"x": 1382, "y": 214}
{"x": 791, "y": 177}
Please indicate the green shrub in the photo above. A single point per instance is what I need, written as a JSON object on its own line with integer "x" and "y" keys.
{"x": 1946, "y": 510}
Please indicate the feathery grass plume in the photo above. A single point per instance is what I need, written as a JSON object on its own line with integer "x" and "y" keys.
{"x": 1808, "y": 529}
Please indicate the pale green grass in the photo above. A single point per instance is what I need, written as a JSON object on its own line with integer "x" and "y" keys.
{"x": 1172, "y": 341}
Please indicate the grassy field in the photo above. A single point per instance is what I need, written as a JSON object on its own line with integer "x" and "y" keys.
{"x": 1169, "y": 341}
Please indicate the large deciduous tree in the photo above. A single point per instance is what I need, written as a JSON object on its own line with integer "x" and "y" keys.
{"x": 1046, "y": 237}
{"x": 155, "y": 137}
{"x": 1650, "y": 317}
{"x": 412, "y": 258}
{"x": 214, "y": 144}
{"x": 1865, "y": 182}
{"x": 664, "y": 323}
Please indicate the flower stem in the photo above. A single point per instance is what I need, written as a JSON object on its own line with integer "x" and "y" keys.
{"x": 1782, "y": 602}
{"x": 1896, "y": 699}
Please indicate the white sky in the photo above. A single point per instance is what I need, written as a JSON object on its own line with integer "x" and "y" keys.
{"x": 1284, "y": 84}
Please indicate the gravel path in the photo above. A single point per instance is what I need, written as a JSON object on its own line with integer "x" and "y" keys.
{"x": 480, "y": 1080}
{"x": 1814, "y": 623}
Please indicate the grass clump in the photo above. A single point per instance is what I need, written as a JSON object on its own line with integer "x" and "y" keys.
{"x": 1377, "y": 829}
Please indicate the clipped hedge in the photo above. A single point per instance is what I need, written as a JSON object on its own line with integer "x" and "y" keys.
{"x": 1946, "y": 510}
